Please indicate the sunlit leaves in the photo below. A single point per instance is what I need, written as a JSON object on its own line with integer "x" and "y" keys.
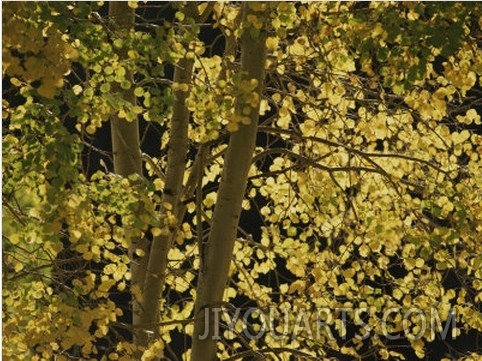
{"x": 212, "y": 100}
{"x": 370, "y": 201}
{"x": 367, "y": 174}
{"x": 35, "y": 47}
{"x": 93, "y": 239}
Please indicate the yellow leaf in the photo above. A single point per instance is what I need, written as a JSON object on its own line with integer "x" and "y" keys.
{"x": 183, "y": 87}
{"x": 156, "y": 232}
{"x": 419, "y": 262}
{"x": 90, "y": 129}
{"x": 276, "y": 97}
{"x": 283, "y": 288}
{"x": 297, "y": 286}
{"x": 201, "y": 8}
{"x": 14, "y": 238}
{"x": 121, "y": 286}
{"x": 167, "y": 206}
{"x": 221, "y": 83}
{"x": 15, "y": 82}
{"x": 397, "y": 294}
{"x": 272, "y": 43}
{"x": 158, "y": 184}
{"x": 75, "y": 235}
{"x": 232, "y": 127}
{"x": 18, "y": 267}
{"x": 364, "y": 250}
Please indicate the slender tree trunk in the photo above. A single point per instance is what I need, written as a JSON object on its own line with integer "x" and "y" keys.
{"x": 216, "y": 253}
{"x": 125, "y": 135}
{"x": 127, "y": 151}
{"x": 176, "y": 166}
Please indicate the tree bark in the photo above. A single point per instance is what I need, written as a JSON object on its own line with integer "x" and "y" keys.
{"x": 176, "y": 166}
{"x": 125, "y": 135}
{"x": 126, "y": 150}
{"x": 217, "y": 251}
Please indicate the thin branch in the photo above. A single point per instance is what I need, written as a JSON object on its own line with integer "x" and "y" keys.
{"x": 146, "y": 158}
{"x": 299, "y": 137}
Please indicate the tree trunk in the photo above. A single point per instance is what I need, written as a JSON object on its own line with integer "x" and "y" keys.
{"x": 126, "y": 149}
{"x": 176, "y": 166}
{"x": 125, "y": 135}
{"x": 216, "y": 253}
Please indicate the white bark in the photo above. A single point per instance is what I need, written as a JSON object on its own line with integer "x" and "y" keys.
{"x": 126, "y": 148}
{"x": 176, "y": 166}
{"x": 217, "y": 251}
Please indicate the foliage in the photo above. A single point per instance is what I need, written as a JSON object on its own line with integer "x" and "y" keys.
{"x": 366, "y": 178}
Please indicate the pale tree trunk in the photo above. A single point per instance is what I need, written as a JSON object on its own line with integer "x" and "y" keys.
{"x": 126, "y": 149}
{"x": 176, "y": 167}
{"x": 176, "y": 164}
{"x": 125, "y": 135}
{"x": 216, "y": 253}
